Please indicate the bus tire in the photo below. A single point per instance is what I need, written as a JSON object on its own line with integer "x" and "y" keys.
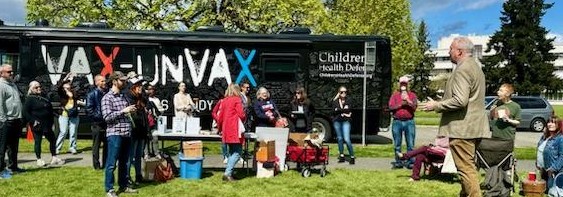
{"x": 323, "y": 127}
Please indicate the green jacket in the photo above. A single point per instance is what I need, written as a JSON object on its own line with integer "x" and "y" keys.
{"x": 463, "y": 104}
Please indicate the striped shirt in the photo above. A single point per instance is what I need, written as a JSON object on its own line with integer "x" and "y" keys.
{"x": 117, "y": 122}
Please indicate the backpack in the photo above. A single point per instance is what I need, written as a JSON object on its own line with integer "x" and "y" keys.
{"x": 163, "y": 171}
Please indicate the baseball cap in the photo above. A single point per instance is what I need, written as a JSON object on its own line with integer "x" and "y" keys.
{"x": 404, "y": 79}
{"x": 117, "y": 75}
{"x": 136, "y": 80}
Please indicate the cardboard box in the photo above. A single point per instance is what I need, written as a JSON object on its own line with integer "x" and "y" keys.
{"x": 148, "y": 167}
{"x": 266, "y": 151}
{"x": 297, "y": 139}
{"x": 192, "y": 148}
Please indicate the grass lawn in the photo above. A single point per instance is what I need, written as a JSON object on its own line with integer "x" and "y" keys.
{"x": 214, "y": 148}
{"x": 75, "y": 181}
{"x": 558, "y": 110}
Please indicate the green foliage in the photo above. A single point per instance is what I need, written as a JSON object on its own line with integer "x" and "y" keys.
{"x": 521, "y": 50}
{"x": 421, "y": 74}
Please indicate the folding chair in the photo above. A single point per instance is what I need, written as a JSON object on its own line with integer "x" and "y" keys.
{"x": 497, "y": 158}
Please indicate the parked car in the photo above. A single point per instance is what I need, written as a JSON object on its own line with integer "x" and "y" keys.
{"x": 535, "y": 112}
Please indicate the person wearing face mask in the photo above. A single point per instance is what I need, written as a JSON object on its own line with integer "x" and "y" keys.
{"x": 505, "y": 114}
{"x": 403, "y": 104}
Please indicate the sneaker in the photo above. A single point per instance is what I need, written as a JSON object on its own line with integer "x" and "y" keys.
{"x": 225, "y": 160}
{"x": 128, "y": 190}
{"x": 240, "y": 161}
{"x": 111, "y": 193}
{"x": 57, "y": 161}
{"x": 411, "y": 180}
{"x": 401, "y": 155}
{"x": 341, "y": 159}
{"x": 40, "y": 162}
{"x": 73, "y": 151}
{"x": 352, "y": 160}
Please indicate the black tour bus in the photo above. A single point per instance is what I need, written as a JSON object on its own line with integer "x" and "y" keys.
{"x": 207, "y": 62}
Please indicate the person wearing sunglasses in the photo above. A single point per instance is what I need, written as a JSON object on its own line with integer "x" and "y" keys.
{"x": 10, "y": 121}
{"x": 68, "y": 115}
{"x": 342, "y": 114}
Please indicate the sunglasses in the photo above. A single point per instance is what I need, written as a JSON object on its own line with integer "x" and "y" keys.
{"x": 298, "y": 92}
{"x": 342, "y": 92}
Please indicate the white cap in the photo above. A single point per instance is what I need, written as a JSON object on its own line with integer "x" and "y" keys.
{"x": 404, "y": 79}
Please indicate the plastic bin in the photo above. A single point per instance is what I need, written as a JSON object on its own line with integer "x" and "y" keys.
{"x": 190, "y": 167}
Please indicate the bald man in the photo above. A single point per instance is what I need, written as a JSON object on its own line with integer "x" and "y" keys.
{"x": 463, "y": 113}
{"x": 98, "y": 126}
{"x": 10, "y": 119}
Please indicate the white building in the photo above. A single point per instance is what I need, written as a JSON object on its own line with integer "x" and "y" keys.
{"x": 443, "y": 65}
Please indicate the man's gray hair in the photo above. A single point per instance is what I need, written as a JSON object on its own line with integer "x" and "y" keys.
{"x": 4, "y": 66}
{"x": 464, "y": 44}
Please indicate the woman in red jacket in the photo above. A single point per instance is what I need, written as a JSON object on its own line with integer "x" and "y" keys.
{"x": 229, "y": 116}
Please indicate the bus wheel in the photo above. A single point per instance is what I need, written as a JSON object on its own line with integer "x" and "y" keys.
{"x": 323, "y": 127}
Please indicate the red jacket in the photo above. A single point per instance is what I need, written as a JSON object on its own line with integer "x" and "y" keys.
{"x": 230, "y": 114}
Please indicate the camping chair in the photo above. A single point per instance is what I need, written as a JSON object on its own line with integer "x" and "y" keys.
{"x": 497, "y": 158}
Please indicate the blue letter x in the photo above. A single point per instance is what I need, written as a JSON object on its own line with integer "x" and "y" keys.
{"x": 244, "y": 63}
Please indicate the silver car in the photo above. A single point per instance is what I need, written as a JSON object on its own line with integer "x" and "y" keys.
{"x": 535, "y": 112}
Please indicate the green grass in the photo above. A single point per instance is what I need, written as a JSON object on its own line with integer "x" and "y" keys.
{"x": 558, "y": 110}
{"x": 214, "y": 148}
{"x": 74, "y": 181}
{"x": 433, "y": 118}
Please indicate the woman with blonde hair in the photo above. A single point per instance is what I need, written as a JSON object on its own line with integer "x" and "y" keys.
{"x": 342, "y": 114}
{"x": 183, "y": 103}
{"x": 229, "y": 115}
{"x": 38, "y": 112}
{"x": 265, "y": 109}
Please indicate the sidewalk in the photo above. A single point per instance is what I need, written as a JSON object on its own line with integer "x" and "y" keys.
{"x": 84, "y": 159}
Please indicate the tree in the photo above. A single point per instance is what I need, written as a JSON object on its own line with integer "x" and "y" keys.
{"x": 390, "y": 18}
{"x": 252, "y": 16}
{"x": 521, "y": 50}
{"x": 421, "y": 74}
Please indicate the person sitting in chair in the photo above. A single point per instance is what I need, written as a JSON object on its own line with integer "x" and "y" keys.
{"x": 426, "y": 154}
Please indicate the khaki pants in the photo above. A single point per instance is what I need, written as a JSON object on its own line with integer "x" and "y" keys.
{"x": 463, "y": 152}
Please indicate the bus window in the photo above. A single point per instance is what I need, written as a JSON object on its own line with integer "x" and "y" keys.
{"x": 281, "y": 69}
{"x": 9, "y": 58}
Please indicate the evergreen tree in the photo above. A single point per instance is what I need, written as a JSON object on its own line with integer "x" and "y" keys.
{"x": 521, "y": 50}
{"x": 421, "y": 74}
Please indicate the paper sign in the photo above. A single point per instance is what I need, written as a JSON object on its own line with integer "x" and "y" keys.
{"x": 161, "y": 124}
{"x": 179, "y": 125}
{"x": 192, "y": 126}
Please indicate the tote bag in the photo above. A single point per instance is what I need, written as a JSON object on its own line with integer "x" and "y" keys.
{"x": 449, "y": 165}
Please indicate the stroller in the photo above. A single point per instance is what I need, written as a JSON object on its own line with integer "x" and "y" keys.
{"x": 497, "y": 158}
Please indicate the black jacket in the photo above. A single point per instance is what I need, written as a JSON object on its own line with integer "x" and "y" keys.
{"x": 94, "y": 105}
{"x": 38, "y": 108}
{"x": 308, "y": 112}
{"x": 338, "y": 110}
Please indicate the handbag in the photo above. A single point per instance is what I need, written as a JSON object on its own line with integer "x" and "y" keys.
{"x": 557, "y": 189}
{"x": 151, "y": 121}
{"x": 163, "y": 171}
{"x": 449, "y": 164}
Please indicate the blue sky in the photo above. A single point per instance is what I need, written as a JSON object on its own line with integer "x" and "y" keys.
{"x": 443, "y": 17}
{"x": 480, "y": 17}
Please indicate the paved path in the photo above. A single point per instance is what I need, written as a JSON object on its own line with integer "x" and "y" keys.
{"x": 27, "y": 160}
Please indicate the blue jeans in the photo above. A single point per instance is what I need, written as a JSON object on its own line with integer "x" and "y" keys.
{"x": 400, "y": 128}
{"x": 135, "y": 156}
{"x": 67, "y": 125}
{"x": 118, "y": 151}
{"x": 224, "y": 150}
{"x": 234, "y": 155}
{"x": 343, "y": 135}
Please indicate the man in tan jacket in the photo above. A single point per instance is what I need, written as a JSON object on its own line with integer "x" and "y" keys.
{"x": 464, "y": 118}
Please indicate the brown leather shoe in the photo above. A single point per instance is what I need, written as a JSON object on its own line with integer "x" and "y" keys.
{"x": 228, "y": 178}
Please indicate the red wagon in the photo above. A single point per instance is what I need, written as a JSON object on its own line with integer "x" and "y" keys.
{"x": 307, "y": 158}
